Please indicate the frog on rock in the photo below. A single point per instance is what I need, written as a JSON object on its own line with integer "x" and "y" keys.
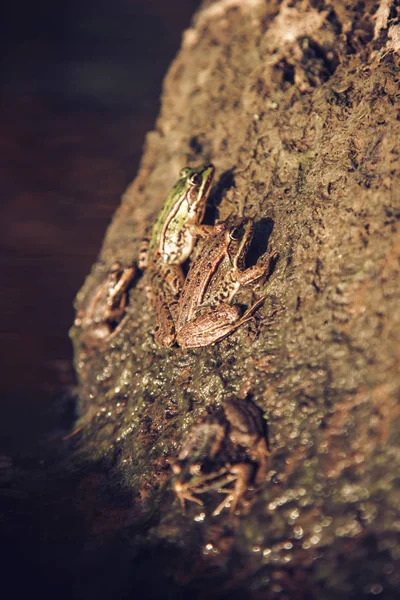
{"x": 103, "y": 312}
{"x": 174, "y": 233}
{"x": 205, "y": 312}
{"x": 171, "y": 241}
{"x": 225, "y": 451}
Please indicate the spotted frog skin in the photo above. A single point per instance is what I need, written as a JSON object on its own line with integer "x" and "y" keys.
{"x": 225, "y": 451}
{"x": 101, "y": 316}
{"x": 172, "y": 240}
{"x": 206, "y": 313}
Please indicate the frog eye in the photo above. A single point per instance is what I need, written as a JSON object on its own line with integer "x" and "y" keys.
{"x": 184, "y": 172}
{"x": 195, "y": 179}
{"x": 235, "y": 234}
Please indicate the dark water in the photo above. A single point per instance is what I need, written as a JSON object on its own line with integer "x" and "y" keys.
{"x": 79, "y": 87}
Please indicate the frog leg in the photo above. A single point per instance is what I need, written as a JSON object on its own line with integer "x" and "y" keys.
{"x": 166, "y": 287}
{"x": 117, "y": 312}
{"x": 209, "y": 327}
{"x": 164, "y": 328}
{"x": 242, "y": 473}
{"x": 206, "y": 231}
{"x": 214, "y": 325}
{"x": 183, "y": 494}
{"x": 121, "y": 286}
{"x": 259, "y": 453}
{"x": 118, "y": 315}
{"x": 216, "y": 481}
{"x": 174, "y": 278}
{"x": 262, "y": 268}
{"x": 89, "y": 316}
{"x": 116, "y": 303}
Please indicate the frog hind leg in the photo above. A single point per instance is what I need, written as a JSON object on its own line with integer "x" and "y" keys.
{"x": 183, "y": 494}
{"x": 259, "y": 453}
{"x": 120, "y": 289}
{"x": 214, "y": 325}
{"x": 167, "y": 284}
{"x": 209, "y": 327}
{"x": 243, "y": 473}
{"x": 164, "y": 329}
{"x": 259, "y": 271}
{"x": 174, "y": 279}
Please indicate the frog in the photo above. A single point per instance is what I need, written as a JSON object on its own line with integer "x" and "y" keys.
{"x": 225, "y": 451}
{"x": 104, "y": 312}
{"x": 205, "y": 312}
{"x": 171, "y": 242}
{"x": 174, "y": 233}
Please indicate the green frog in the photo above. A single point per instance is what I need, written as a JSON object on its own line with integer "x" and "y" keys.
{"x": 174, "y": 233}
{"x": 205, "y": 312}
{"x": 225, "y": 451}
{"x": 172, "y": 240}
{"x": 102, "y": 314}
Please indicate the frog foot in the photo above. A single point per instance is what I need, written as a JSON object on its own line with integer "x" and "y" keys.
{"x": 183, "y": 494}
{"x": 243, "y": 473}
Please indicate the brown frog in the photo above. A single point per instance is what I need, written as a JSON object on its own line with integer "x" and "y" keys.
{"x": 103, "y": 313}
{"x": 225, "y": 451}
{"x": 205, "y": 312}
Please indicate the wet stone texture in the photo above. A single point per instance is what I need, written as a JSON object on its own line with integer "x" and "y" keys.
{"x": 297, "y": 105}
